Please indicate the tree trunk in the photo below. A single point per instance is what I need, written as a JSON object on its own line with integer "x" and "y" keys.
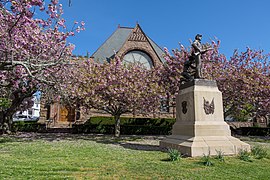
{"x": 7, "y": 114}
{"x": 1, "y": 121}
{"x": 117, "y": 126}
{"x": 5, "y": 122}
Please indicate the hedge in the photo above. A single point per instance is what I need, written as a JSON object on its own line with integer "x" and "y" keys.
{"x": 28, "y": 126}
{"x": 138, "y": 126}
{"x": 105, "y": 125}
{"x": 255, "y": 131}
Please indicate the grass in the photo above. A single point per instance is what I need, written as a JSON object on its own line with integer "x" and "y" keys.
{"x": 259, "y": 152}
{"x": 244, "y": 155}
{"x": 103, "y": 157}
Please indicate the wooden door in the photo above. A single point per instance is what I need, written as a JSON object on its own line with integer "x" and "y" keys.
{"x": 67, "y": 114}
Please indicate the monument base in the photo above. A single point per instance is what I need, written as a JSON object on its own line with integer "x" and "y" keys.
{"x": 204, "y": 145}
{"x": 200, "y": 127}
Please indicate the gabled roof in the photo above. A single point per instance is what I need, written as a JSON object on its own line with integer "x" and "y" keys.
{"x": 158, "y": 50}
{"x": 113, "y": 44}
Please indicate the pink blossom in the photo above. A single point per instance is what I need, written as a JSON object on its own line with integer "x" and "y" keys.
{"x": 39, "y": 48}
{"x": 54, "y": 2}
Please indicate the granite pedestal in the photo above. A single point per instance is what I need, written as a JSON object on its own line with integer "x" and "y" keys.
{"x": 200, "y": 127}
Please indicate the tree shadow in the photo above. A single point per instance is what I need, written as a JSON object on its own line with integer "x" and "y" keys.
{"x": 166, "y": 160}
{"x": 57, "y": 137}
{"x": 6, "y": 140}
{"x": 134, "y": 142}
{"x": 141, "y": 147}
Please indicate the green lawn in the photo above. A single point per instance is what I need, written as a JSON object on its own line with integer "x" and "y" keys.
{"x": 62, "y": 156}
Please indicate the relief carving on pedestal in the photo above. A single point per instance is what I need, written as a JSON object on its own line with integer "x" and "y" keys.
{"x": 184, "y": 107}
{"x": 209, "y": 108}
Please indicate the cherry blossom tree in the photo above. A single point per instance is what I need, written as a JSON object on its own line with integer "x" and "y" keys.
{"x": 115, "y": 88}
{"x": 32, "y": 49}
{"x": 243, "y": 78}
{"x": 245, "y": 83}
{"x": 170, "y": 75}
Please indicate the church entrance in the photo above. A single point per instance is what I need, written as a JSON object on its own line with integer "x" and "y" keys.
{"x": 67, "y": 114}
{"x": 60, "y": 115}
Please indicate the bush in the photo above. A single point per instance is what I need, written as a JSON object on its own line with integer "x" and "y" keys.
{"x": 131, "y": 121}
{"x": 174, "y": 154}
{"x": 129, "y": 126}
{"x": 103, "y": 129}
{"x": 255, "y": 131}
{"x": 259, "y": 152}
{"x": 28, "y": 126}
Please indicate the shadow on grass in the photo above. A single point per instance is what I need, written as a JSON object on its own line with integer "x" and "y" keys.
{"x": 25, "y": 136}
{"x": 141, "y": 147}
{"x": 166, "y": 160}
{"x": 6, "y": 140}
{"x": 134, "y": 142}
{"x": 131, "y": 142}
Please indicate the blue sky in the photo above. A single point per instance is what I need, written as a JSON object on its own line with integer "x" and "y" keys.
{"x": 237, "y": 23}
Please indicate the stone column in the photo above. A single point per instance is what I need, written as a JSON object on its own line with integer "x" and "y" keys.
{"x": 43, "y": 112}
{"x": 200, "y": 127}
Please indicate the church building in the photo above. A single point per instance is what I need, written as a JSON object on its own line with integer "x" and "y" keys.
{"x": 130, "y": 45}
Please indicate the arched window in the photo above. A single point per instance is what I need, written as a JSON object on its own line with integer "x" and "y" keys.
{"x": 136, "y": 56}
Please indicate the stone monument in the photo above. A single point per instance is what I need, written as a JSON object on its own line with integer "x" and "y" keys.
{"x": 200, "y": 127}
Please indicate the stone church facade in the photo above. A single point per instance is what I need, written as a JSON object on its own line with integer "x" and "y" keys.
{"x": 131, "y": 45}
{"x": 125, "y": 40}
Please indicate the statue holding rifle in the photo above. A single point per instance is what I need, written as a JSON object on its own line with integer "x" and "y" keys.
{"x": 192, "y": 71}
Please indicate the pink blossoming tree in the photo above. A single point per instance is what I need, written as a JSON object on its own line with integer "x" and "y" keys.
{"x": 115, "y": 88}
{"x": 32, "y": 50}
{"x": 243, "y": 78}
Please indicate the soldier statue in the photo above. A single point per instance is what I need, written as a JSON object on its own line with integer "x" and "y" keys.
{"x": 189, "y": 67}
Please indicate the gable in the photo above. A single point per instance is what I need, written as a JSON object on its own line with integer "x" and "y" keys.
{"x": 125, "y": 39}
{"x": 137, "y": 35}
{"x": 112, "y": 45}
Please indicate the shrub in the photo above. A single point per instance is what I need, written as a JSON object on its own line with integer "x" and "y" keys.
{"x": 28, "y": 126}
{"x": 129, "y": 126}
{"x": 255, "y": 131}
{"x": 131, "y": 121}
{"x": 206, "y": 160}
{"x": 174, "y": 154}
{"x": 244, "y": 155}
{"x": 259, "y": 152}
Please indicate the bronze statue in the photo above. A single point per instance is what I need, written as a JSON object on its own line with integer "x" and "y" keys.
{"x": 190, "y": 70}
{"x": 198, "y": 50}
